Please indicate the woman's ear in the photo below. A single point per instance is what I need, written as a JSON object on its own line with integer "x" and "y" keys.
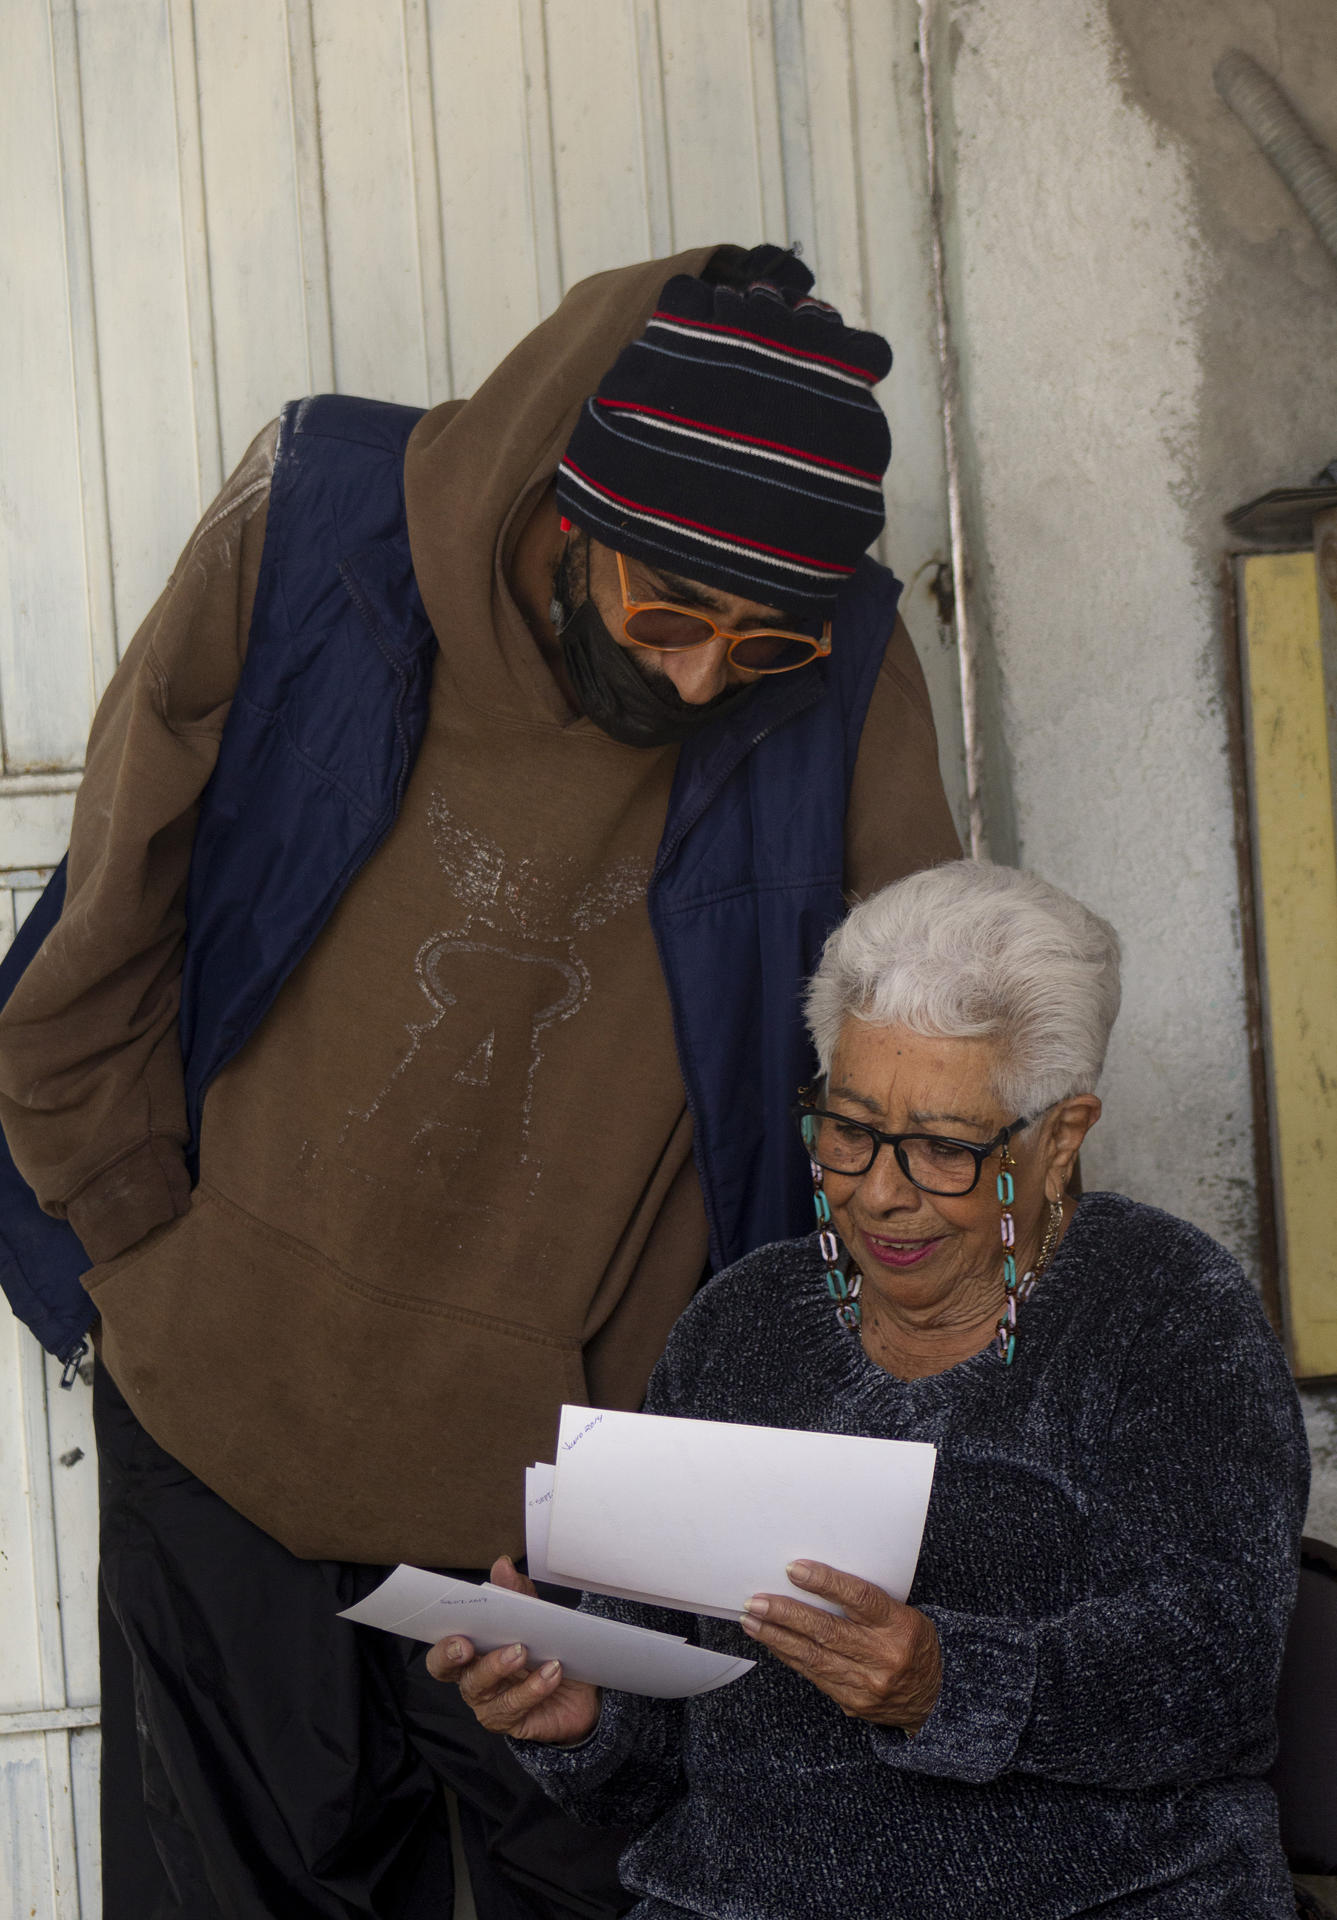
{"x": 1069, "y": 1124}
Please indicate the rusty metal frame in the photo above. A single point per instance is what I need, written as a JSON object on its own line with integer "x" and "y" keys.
{"x": 1269, "y": 1246}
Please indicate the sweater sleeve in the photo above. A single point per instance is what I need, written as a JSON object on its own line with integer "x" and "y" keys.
{"x": 1166, "y": 1673}
{"x": 629, "y": 1771}
{"x": 898, "y": 819}
{"x": 91, "y": 1088}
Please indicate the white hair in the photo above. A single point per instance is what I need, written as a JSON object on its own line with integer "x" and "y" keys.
{"x": 968, "y": 950}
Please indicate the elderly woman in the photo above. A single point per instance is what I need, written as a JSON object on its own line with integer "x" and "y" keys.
{"x": 1072, "y": 1715}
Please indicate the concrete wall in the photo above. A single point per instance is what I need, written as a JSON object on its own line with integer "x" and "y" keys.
{"x": 1145, "y": 327}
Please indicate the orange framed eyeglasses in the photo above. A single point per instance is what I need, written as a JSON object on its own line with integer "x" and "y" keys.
{"x": 664, "y": 627}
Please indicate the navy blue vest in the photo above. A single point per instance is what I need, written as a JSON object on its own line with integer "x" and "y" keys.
{"x": 321, "y": 738}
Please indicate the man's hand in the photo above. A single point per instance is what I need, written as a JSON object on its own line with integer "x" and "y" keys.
{"x": 881, "y": 1663}
{"x": 506, "y": 1694}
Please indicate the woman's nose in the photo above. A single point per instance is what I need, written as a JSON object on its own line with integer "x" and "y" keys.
{"x": 886, "y": 1189}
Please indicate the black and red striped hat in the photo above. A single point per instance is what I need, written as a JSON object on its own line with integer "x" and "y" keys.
{"x": 738, "y": 443}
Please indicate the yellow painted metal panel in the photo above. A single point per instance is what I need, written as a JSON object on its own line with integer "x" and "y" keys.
{"x": 1296, "y": 867}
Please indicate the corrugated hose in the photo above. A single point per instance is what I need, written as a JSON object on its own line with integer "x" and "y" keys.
{"x": 1306, "y": 167}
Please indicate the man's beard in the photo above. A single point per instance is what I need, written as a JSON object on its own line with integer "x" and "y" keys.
{"x": 623, "y": 690}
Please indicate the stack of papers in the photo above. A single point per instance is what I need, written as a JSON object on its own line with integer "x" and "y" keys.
{"x": 693, "y": 1515}
{"x": 698, "y": 1515}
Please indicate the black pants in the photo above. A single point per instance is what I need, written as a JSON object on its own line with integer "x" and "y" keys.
{"x": 264, "y": 1760}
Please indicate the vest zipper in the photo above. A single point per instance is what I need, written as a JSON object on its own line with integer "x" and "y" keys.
{"x": 71, "y": 1361}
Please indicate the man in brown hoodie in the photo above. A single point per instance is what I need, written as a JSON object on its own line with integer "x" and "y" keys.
{"x": 447, "y": 1182}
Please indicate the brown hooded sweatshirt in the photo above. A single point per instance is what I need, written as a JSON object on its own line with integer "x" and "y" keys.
{"x": 448, "y": 1182}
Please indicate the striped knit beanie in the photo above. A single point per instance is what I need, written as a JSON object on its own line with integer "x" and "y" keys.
{"x": 738, "y": 443}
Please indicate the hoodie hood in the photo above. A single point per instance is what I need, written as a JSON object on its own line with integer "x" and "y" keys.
{"x": 473, "y": 471}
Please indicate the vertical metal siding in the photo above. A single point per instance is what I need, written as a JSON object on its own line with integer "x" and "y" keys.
{"x": 207, "y": 209}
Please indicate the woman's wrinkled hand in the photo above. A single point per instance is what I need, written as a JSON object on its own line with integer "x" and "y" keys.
{"x": 882, "y": 1662}
{"x": 505, "y": 1694}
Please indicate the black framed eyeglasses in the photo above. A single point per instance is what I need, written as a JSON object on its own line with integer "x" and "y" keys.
{"x": 930, "y": 1161}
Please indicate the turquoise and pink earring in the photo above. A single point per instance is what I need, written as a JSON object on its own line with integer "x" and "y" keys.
{"x": 1006, "y": 1333}
{"x": 842, "y": 1286}
{"x": 1016, "y": 1290}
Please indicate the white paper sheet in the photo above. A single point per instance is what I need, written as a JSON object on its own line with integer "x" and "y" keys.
{"x": 700, "y": 1514}
{"x": 538, "y": 1516}
{"x": 428, "y": 1606}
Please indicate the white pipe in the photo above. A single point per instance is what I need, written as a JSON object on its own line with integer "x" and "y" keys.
{"x": 1306, "y": 167}
{"x": 950, "y": 393}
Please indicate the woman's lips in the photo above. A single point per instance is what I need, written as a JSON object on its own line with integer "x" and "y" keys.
{"x": 900, "y": 1253}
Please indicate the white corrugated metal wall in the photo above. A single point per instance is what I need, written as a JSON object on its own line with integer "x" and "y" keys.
{"x": 209, "y": 206}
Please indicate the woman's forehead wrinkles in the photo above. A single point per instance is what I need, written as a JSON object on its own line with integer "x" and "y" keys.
{"x": 844, "y": 1091}
{"x": 919, "y": 1117}
{"x": 881, "y": 1070}
{"x": 986, "y": 1124}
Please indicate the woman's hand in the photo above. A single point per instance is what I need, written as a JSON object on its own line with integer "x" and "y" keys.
{"x": 505, "y": 1694}
{"x": 881, "y": 1663}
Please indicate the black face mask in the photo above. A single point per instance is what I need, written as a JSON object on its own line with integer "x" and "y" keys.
{"x": 623, "y": 702}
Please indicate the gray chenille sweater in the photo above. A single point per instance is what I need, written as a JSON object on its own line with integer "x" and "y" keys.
{"x": 1109, "y": 1559}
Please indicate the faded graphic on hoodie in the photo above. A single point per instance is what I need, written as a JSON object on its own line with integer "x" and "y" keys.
{"x": 464, "y": 1077}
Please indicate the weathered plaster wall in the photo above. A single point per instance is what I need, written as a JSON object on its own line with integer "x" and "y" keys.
{"x": 1146, "y": 327}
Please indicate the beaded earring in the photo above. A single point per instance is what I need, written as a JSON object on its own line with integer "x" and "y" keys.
{"x": 843, "y": 1287}
{"x": 1016, "y": 1290}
